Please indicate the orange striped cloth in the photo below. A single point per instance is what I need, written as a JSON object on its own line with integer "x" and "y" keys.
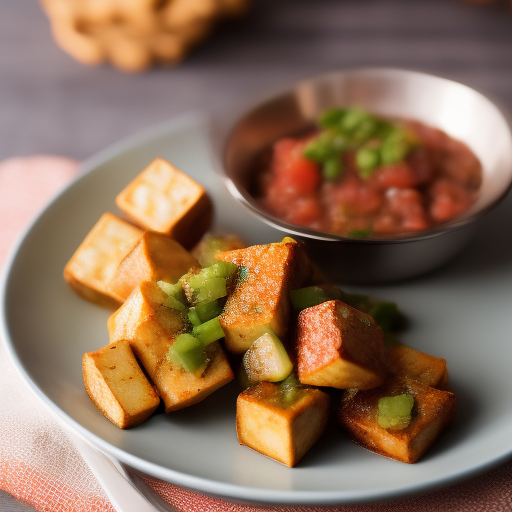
{"x": 40, "y": 465}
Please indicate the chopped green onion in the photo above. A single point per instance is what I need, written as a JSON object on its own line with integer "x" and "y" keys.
{"x": 331, "y": 118}
{"x": 394, "y": 147}
{"x": 188, "y": 352}
{"x": 332, "y": 168}
{"x": 394, "y": 412}
{"x": 367, "y": 159}
{"x": 209, "y": 331}
{"x": 359, "y": 233}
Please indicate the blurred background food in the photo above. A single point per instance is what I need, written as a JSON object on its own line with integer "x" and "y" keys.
{"x": 135, "y": 34}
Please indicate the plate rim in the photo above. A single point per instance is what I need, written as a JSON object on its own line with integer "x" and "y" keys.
{"x": 222, "y": 490}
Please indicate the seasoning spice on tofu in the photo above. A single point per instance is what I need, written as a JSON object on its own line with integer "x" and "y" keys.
{"x": 118, "y": 387}
{"x": 340, "y": 347}
{"x": 164, "y": 199}
{"x": 432, "y": 412}
{"x": 155, "y": 258}
{"x": 94, "y": 263}
{"x": 261, "y": 301}
{"x": 282, "y": 429}
{"x": 151, "y": 329}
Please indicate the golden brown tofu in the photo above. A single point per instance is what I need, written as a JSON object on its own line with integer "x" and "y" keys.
{"x": 340, "y": 347}
{"x": 164, "y": 199}
{"x": 281, "y": 428}
{"x": 433, "y": 411}
{"x": 408, "y": 363}
{"x": 117, "y": 385}
{"x": 261, "y": 300}
{"x": 155, "y": 258}
{"x": 94, "y": 263}
{"x": 151, "y": 329}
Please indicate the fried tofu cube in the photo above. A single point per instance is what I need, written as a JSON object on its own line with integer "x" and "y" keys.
{"x": 340, "y": 347}
{"x": 118, "y": 387}
{"x": 261, "y": 299}
{"x": 151, "y": 328}
{"x": 164, "y": 199}
{"x": 91, "y": 268}
{"x": 408, "y": 363}
{"x": 155, "y": 258}
{"x": 281, "y": 429}
{"x": 433, "y": 411}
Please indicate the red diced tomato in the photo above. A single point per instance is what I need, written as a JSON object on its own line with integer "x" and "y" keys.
{"x": 305, "y": 211}
{"x": 293, "y": 170}
{"x": 398, "y": 175}
{"x": 448, "y": 199}
{"x": 355, "y": 196}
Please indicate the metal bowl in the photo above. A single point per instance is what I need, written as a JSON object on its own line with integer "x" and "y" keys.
{"x": 460, "y": 111}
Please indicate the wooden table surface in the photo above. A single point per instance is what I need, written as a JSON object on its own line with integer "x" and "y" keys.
{"x": 51, "y": 104}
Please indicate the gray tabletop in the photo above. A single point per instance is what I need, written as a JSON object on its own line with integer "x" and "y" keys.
{"x": 51, "y": 104}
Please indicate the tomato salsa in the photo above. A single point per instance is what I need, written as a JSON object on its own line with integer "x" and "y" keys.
{"x": 360, "y": 175}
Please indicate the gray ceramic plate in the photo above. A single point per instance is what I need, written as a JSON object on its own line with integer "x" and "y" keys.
{"x": 461, "y": 313}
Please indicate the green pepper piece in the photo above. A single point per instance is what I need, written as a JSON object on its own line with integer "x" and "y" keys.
{"x": 394, "y": 412}
{"x": 188, "y": 352}
{"x": 174, "y": 303}
{"x": 290, "y": 390}
{"x": 221, "y": 269}
{"x": 367, "y": 160}
{"x": 387, "y": 315}
{"x": 267, "y": 359}
{"x": 303, "y": 298}
{"x": 208, "y": 310}
{"x": 214, "y": 288}
{"x": 209, "y": 331}
{"x": 193, "y": 317}
{"x": 353, "y": 119}
{"x": 173, "y": 290}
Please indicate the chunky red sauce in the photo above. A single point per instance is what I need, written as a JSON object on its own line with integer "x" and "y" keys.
{"x": 436, "y": 180}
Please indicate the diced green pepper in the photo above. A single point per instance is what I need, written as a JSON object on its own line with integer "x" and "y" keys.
{"x": 267, "y": 359}
{"x": 206, "y": 311}
{"x": 213, "y": 289}
{"x": 209, "y": 331}
{"x": 173, "y": 290}
{"x": 193, "y": 317}
{"x": 174, "y": 303}
{"x": 188, "y": 352}
{"x": 307, "y": 297}
{"x": 290, "y": 390}
{"x": 394, "y": 412}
